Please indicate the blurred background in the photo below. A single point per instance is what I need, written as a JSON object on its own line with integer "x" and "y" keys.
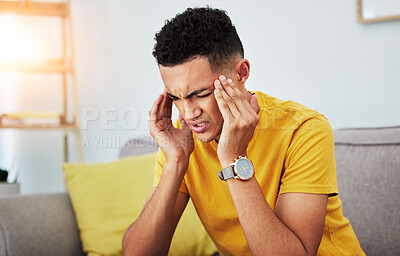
{"x": 313, "y": 52}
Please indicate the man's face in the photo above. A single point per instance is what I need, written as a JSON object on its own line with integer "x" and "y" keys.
{"x": 191, "y": 87}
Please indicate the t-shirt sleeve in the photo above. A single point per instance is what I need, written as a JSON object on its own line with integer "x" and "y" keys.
{"x": 310, "y": 160}
{"x": 158, "y": 170}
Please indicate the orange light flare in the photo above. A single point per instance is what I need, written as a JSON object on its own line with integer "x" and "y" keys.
{"x": 22, "y": 44}
{"x": 18, "y": 43}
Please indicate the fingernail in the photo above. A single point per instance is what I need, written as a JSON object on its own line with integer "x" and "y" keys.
{"x": 222, "y": 77}
{"x": 229, "y": 80}
{"x": 216, "y": 90}
{"x": 217, "y": 82}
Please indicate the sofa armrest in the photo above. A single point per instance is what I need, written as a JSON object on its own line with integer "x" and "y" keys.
{"x": 38, "y": 225}
{"x": 368, "y": 173}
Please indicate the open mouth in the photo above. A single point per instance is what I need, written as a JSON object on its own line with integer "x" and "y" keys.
{"x": 200, "y": 127}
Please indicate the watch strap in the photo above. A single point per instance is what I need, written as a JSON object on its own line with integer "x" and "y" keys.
{"x": 226, "y": 173}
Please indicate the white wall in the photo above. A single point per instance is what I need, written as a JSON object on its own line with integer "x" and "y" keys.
{"x": 313, "y": 52}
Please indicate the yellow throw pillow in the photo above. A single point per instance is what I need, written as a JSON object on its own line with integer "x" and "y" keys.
{"x": 108, "y": 197}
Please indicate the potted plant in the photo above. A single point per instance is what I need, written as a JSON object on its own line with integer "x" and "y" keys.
{"x": 5, "y": 187}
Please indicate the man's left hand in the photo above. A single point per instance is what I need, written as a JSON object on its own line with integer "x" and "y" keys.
{"x": 240, "y": 119}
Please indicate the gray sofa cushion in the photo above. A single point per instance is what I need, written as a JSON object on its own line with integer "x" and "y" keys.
{"x": 38, "y": 225}
{"x": 138, "y": 146}
{"x": 368, "y": 171}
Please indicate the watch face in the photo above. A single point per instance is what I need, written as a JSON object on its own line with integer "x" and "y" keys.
{"x": 244, "y": 169}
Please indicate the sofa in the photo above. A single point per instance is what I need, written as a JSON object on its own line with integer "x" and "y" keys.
{"x": 368, "y": 171}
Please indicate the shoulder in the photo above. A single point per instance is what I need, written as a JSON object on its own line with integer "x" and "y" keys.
{"x": 288, "y": 115}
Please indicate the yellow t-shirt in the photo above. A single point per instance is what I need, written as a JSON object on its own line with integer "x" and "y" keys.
{"x": 292, "y": 151}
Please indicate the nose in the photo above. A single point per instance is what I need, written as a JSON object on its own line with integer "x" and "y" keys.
{"x": 190, "y": 110}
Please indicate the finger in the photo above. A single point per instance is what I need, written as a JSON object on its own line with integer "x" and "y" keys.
{"x": 154, "y": 109}
{"x": 231, "y": 94}
{"x": 227, "y": 100}
{"x": 169, "y": 113}
{"x": 252, "y": 109}
{"x": 223, "y": 107}
{"x": 239, "y": 97}
{"x": 225, "y": 84}
{"x": 165, "y": 109}
{"x": 183, "y": 123}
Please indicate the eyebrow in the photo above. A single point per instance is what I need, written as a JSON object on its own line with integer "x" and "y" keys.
{"x": 190, "y": 94}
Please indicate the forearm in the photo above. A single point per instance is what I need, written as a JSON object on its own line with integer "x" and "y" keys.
{"x": 152, "y": 232}
{"x": 264, "y": 232}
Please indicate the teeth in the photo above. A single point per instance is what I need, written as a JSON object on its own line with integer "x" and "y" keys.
{"x": 198, "y": 125}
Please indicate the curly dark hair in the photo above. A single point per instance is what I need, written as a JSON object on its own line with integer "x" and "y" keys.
{"x": 200, "y": 31}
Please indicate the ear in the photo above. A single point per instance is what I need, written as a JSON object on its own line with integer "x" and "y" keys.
{"x": 242, "y": 69}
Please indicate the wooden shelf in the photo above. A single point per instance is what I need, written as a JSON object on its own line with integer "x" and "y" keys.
{"x": 51, "y": 67}
{"x": 33, "y": 8}
{"x": 66, "y": 126}
{"x": 64, "y": 66}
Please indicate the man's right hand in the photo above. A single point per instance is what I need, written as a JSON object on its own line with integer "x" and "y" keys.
{"x": 152, "y": 232}
{"x": 177, "y": 144}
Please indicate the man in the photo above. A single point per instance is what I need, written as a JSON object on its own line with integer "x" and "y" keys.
{"x": 284, "y": 202}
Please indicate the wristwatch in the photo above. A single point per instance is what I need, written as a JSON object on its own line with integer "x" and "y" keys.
{"x": 241, "y": 169}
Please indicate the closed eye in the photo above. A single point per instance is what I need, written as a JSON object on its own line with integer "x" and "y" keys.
{"x": 204, "y": 96}
{"x": 173, "y": 98}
